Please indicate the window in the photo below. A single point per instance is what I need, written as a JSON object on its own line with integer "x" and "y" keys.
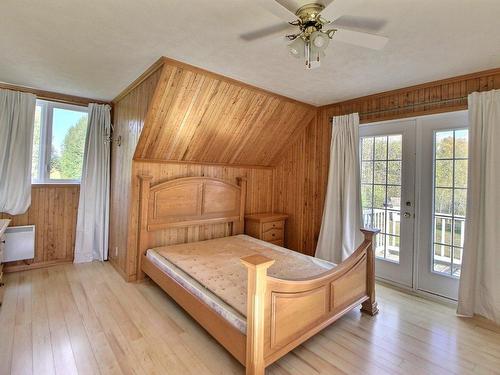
{"x": 58, "y": 142}
{"x": 450, "y": 197}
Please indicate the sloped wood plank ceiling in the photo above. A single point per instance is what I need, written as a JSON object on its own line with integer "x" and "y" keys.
{"x": 199, "y": 116}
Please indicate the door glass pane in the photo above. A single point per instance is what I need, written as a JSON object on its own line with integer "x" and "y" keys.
{"x": 444, "y": 145}
{"x": 380, "y": 172}
{"x": 393, "y": 223}
{"x": 450, "y": 198}
{"x": 393, "y": 197}
{"x": 394, "y": 172}
{"x": 392, "y": 248}
{"x": 461, "y": 173}
{"x": 381, "y": 191}
{"x": 379, "y": 196}
{"x": 367, "y": 172}
{"x": 442, "y": 230}
{"x": 443, "y": 201}
{"x": 366, "y": 196}
{"x": 459, "y": 202}
{"x": 461, "y": 144}
{"x": 394, "y": 145}
{"x": 444, "y": 173}
{"x": 380, "y": 148}
{"x": 367, "y": 148}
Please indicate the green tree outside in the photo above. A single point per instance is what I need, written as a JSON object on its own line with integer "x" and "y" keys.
{"x": 71, "y": 159}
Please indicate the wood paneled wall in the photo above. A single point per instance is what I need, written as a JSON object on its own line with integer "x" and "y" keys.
{"x": 203, "y": 117}
{"x": 53, "y": 211}
{"x": 300, "y": 184}
{"x": 129, "y": 112}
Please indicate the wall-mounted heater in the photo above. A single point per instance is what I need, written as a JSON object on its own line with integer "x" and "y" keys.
{"x": 19, "y": 243}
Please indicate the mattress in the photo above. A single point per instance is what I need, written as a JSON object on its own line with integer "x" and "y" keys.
{"x": 212, "y": 270}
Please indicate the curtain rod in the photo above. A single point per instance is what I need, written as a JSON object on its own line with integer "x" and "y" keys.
{"x": 52, "y": 96}
{"x": 442, "y": 101}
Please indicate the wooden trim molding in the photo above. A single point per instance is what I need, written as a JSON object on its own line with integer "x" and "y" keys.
{"x": 26, "y": 266}
{"x": 225, "y": 165}
{"x": 53, "y": 96}
{"x": 55, "y": 185}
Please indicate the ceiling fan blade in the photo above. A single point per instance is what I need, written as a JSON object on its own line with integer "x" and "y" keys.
{"x": 278, "y": 9}
{"x": 266, "y": 31}
{"x": 360, "y": 23}
{"x": 360, "y": 39}
{"x": 332, "y": 10}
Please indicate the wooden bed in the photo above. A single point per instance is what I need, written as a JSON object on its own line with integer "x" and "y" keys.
{"x": 281, "y": 314}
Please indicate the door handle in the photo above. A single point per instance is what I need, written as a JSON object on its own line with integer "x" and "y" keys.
{"x": 407, "y": 214}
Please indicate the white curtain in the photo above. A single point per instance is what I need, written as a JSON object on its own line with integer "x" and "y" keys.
{"x": 340, "y": 234}
{"x": 17, "y": 115}
{"x": 93, "y": 209}
{"x": 479, "y": 291}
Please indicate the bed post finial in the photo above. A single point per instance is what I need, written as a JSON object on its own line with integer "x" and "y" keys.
{"x": 239, "y": 226}
{"x": 370, "y": 306}
{"x": 257, "y": 266}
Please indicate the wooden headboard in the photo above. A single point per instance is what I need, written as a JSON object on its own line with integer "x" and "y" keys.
{"x": 189, "y": 201}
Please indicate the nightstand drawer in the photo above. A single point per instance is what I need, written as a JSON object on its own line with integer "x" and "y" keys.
{"x": 272, "y": 225}
{"x": 273, "y": 235}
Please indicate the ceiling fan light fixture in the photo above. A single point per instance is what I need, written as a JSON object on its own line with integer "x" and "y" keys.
{"x": 311, "y": 36}
{"x": 296, "y": 48}
{"x": 319, "y": 40}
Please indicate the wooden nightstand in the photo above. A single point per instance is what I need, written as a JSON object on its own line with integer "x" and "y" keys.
{"x": 267, "y": 227}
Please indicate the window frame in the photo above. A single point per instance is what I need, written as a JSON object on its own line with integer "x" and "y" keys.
{"x": 46, "y": 126}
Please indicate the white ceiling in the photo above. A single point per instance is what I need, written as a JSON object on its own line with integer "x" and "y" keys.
{"x": 95, "y": 48}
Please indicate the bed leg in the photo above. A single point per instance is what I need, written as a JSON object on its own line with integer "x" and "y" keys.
{"x": 257, "y": 266}
{"x": 140, "y": 276}
{"x": 370, "y": 306}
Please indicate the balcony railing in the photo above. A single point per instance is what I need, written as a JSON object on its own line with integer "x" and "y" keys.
{"x": 379, "y": 221}
{"x": 442, "y": 238}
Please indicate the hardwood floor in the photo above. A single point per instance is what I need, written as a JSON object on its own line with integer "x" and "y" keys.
{"x": 84, "y": 319}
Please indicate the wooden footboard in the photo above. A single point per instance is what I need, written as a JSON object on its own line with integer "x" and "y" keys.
{"x": 282, "y": 314}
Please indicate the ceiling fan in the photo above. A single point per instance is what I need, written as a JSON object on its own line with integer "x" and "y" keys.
{"x": 314, "y": 25}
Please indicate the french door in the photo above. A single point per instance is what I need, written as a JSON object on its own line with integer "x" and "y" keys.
{"x": 414, "y": 189}
{"x": 442, "y": 202}
{"x": 387, "y": 196}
